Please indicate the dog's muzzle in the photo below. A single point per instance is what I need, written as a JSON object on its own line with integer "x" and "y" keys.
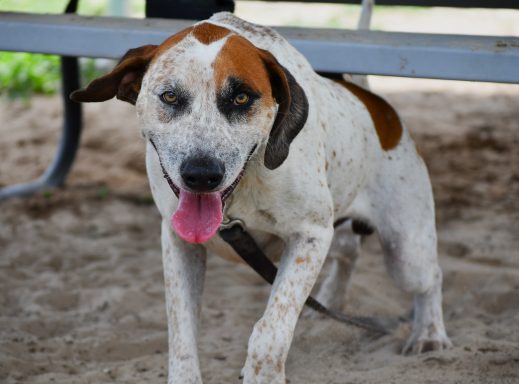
{"x": 199, "y": 212}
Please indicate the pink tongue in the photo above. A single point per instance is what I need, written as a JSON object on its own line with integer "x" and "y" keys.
{"x": 198, "y": 216}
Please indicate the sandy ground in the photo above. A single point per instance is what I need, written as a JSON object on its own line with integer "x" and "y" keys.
{"x": 81, "y": 287}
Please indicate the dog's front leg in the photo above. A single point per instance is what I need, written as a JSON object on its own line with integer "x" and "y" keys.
{"x": 184, "y": 270}
{"x": 272, "y": 334}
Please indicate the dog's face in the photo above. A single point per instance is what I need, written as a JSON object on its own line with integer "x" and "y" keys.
{"x": 206, "y": 104}
{"x": 207, "y": 99}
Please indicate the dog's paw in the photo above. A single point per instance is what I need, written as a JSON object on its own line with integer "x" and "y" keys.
{"x": 418, "y": 345}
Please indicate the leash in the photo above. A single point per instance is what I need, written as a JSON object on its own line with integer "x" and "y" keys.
{"x": 233, "y": 232}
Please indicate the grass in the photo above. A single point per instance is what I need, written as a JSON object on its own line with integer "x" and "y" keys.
{"x": 86, "y": 7}
{"x": 90, "y": 7}
{"x": 24, "y": 74}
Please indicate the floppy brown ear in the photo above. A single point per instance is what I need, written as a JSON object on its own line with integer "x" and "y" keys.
{"x": 292, "y": 112}
{"x": 124, "y": 81}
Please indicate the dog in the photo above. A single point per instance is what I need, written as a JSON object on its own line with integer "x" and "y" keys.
{"x": 238, "y": 125}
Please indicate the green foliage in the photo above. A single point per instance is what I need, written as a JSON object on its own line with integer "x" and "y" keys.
{"x": 25, "y": 74}
{"x": 90, "y": 7}
{"x": 22, "y": 74}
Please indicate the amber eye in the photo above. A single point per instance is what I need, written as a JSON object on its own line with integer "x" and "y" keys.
{"x": 241, "y": 99}
{"x": 169, "y": 97}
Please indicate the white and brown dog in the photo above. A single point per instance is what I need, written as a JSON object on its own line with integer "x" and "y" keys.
{"x": 238, "y": 124}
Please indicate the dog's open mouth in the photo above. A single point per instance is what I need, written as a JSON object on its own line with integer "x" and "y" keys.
{"x": 199, "y": 215}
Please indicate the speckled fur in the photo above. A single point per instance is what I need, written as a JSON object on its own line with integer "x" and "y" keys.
{"x": 336, "y": 168}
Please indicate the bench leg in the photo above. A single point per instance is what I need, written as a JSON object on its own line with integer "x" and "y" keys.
{"x": 59, "y": 168}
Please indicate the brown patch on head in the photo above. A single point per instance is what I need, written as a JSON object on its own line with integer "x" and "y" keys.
{"x": 172, "y": 41}
{"x": 387, "y": 123}
{"x": 207, "y": 33}
{"x": 258, "y": 70}
{"x": 239, "y": 58}
{"x": 126, "y": 78}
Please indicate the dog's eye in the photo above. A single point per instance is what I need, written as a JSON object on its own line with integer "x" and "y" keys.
{"x": 241, "y": 99}
{"x": 169, "y": 98}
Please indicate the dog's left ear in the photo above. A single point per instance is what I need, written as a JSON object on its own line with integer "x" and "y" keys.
{"x": 124, "y": 81}
{"x": 292, "y": 111}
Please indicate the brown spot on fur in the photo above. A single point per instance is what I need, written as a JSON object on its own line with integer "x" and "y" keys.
{"x": 240, "y": 58}
{"x": 171, "y": 41}
{"x": 301, "y": 260}
{"x": 267, "y": 216}
{"x": 334, "y": 154}
{"x": 387, "y": 123}
{"x": 326, "y": 165}
{"x": 279, "y": 366}
{"x": 208, "y": 33}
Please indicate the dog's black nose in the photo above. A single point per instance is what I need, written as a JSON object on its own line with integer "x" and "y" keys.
{"x": 202, "y": 173}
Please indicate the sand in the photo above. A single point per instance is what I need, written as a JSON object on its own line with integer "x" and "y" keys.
{"x": 81, "y": 287}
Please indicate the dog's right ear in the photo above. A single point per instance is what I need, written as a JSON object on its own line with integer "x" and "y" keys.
{"x": 292, "y": 112}
{"x": 124, "y": 81}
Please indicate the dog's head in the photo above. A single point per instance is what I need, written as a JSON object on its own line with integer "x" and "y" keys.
{"x": 207, "y": 98}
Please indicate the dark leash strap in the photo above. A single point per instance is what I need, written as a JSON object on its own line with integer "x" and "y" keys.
{"x": 245, "y": 246}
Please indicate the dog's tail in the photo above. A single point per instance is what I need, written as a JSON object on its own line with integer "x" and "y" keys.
{"x": 364, "y": 24}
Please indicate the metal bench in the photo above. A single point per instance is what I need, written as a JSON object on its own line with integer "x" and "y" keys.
{"x": 459, "y": 57}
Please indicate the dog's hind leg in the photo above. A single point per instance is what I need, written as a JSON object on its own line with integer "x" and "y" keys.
{"x": 406, "y": 227}
{"x": 412, "y": 262}
{"x": 339, "y": 265}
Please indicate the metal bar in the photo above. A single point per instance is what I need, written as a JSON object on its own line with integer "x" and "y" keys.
{"x": 459, "y": 57}
{"x": 72, "y": 35}
{"x": 57, "y": 171}
{"x": 454, "y": 57}
{"x": 400, "y": 54}
{"x": 511, "y": 4}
